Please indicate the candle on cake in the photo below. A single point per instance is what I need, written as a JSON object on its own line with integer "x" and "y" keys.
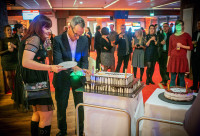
{"x": 168, "y": 86}
{"x": 100, "y": 67}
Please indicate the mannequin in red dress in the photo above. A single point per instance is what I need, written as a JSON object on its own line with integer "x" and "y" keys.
{"x": 177, "y": 63}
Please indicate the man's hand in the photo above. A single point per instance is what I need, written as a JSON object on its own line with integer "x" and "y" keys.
{"x": 163, "y": 42}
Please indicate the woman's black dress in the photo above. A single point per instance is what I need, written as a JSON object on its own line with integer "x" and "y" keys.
{"x": 34, "y": 44}
{"x": 151, "y": 52}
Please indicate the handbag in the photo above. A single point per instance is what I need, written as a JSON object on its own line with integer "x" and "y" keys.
{"x": 37, "y": 90}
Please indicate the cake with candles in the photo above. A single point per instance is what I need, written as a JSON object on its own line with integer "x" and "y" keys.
{"x": 114, "y": 82}
{"x": 178, "y": 93}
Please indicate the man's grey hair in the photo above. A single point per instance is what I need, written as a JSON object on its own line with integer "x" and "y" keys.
{"x": 77, "y": 20}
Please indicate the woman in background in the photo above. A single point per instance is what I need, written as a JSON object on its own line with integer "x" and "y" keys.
{"x": 106, "y": 59}
{"x": 177, "y": 62}
{"x": 151, "y": 53}
{"x": 9, "y": 54}
{"x": 34, "y": 71}
{"x": 138, "y": 43}
{"x": 88, "y": 34}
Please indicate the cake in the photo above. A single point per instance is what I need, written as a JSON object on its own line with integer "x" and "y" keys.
{"x": 179, "y": 94}
{"x": 112, "y": 82}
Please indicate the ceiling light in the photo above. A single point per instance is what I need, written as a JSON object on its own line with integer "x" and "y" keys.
{"x": 49, "y": 4}
{"x": 81, "y": 2}
{"x": 111, "y": 4}
{"x": 166, "y": 4}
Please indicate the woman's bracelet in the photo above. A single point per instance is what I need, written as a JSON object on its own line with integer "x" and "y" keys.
{"x": 50, "y": 67}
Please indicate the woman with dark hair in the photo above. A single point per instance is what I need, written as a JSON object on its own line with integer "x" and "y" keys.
{"x": 106, "y": 59}
{"x": 9, "y": 53}
{"x": 88, "y": 34}
{"x": 34, "y": 71}
{"x": 150, "y": 53}
{"x": 177, "y": 62}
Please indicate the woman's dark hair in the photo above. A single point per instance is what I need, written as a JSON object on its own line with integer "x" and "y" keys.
{"x": 36, "y": 26}
{"x": 98, "y": 28}
{"x": 104, "y": 31}
{"x": 17, "y": 26}
{"x": 4, "y": 29}
{"x": 178, "y": 22}
{"x": 88, "y": 29}
{"x": 151, "y": 26}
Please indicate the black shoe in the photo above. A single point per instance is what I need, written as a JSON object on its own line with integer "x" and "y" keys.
{"x": 61, "y": 134}
{"x": 162, "y": 82}
{"x": 147, "y": 82}
{"x": 193, "y": 88}
{"x": 152, "y": 82}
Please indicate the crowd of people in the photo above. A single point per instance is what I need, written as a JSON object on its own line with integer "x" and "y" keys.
{"x": 24, "y": 61}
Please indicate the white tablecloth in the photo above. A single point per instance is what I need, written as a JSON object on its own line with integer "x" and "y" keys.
{"x": 100, "y": 122}
{"x": 156, "y": 108}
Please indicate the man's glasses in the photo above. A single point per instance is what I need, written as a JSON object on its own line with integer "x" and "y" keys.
{"x": 75, "y": 34}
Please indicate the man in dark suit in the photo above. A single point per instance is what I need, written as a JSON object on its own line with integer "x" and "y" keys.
{"x": 19, "y": 30}
{"x": 195, "y": 57}
{"x": 163, "y": 41}
{"x": 69, "y": 46}
{"x": 124, "y": 48}
{"x": 97, "y": 46}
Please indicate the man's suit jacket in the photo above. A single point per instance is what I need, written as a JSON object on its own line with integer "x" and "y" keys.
{"x": 194, "y": 38}
{"x": 160, "y": 39}
{"x": 97, "y": 44}
{"x": 62, "y": 52}
{"x": 122, "y": 45}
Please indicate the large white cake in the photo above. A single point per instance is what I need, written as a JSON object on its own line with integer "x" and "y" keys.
{"x": 179, "y": 94}
{"x": 113, "y": 82}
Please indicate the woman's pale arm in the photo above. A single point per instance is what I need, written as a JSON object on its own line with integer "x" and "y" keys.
{"x": 28, "y": 62}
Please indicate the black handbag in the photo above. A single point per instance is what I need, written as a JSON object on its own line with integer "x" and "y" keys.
{"x": 37, "y": 90}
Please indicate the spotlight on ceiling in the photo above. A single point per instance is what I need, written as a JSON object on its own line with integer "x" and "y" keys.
{"x": 81, "y": 2}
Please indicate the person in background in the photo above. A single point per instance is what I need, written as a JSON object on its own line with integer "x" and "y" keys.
{"x": 106, "y": 47}
{"x": 130, "y": 33}
{"x": 160, "y": 31}
{"x": 150, "y": 53}
{"x": 177, "y": 62}
{"x": 34, "y": 71}
{"x": 195, "y": 57}
{"x": 112, "y": 36}
{"x": 124, "y": 48}
{"x": 192, "y": 118}
{"x": 138, "y": 43}
{"x": 171, "y": 30}
{"x": 69, "y": 46}
{"x": 163, "y": 43}
{"x": 144, "y": 33}
{"x": 9, "y": 58}
{"x": 19, "y": 31}
{"x": 88, "y": 34}
{"x": 97, "y": 46}
{"x": 156, "y": 27}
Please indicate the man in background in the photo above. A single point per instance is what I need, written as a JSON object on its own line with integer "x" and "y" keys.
{"x": 97, "y": 46}
{"x": 124, "y": 48}
{"x": 163, "y": 42}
